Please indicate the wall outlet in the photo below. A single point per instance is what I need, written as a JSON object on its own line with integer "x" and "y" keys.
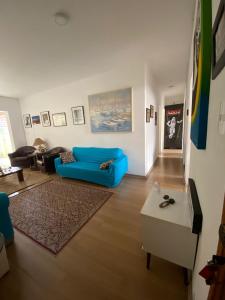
{"x": 222, "y": 118}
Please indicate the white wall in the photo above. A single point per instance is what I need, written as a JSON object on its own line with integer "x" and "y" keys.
{"x": 151, "y": 131}
{"x": 61, "y": 99}
{"x": 207, "y": 168}
{"x": 12, "y": 106}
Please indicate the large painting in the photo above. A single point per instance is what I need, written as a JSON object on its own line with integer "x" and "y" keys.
{"x": 111, "y": 111}
{"x": 173, "y": 131}
{"x": 201, "y": 73}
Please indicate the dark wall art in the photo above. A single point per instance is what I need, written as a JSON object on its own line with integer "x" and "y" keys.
{"x": 173, "y": 130}
{"x": 201, "y": 73}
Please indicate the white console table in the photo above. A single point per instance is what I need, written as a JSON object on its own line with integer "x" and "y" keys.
{"x": 170, "y": 233}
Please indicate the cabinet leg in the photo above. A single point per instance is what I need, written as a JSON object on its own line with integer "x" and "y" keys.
{"x": 148, "y": 260}
{"x": 187, "y": 276}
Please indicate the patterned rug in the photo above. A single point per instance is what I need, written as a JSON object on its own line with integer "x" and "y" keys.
{"x": 53, "y": 212}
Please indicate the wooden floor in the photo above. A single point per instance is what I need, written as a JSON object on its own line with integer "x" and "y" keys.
{"x": 104, "y": 260}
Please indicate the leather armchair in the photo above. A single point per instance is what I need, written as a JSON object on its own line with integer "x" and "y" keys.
{"x": 45, "y": 161}
{"x": 22, "y": 157}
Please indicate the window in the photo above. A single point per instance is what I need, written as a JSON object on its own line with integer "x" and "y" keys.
{"x": 6, "y": 143}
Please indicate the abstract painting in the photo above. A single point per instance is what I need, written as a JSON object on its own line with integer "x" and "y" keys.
{"x": 111, "y": 111}
{"x": 201, "y": 74}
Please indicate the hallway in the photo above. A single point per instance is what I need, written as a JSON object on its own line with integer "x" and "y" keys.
{"x": 104, "y": 260}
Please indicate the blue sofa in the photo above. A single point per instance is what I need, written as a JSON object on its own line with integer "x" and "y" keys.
{"x": 87, "y": 165}
{"x": 5, "y": 221}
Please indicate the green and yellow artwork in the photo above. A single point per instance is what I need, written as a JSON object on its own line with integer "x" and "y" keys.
{"x": 201, "y": 73}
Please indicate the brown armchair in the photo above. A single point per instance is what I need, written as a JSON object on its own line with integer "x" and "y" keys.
{"x": 22, "y": 157}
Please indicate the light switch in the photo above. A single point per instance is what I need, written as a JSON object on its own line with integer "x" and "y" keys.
{"x": 222, "y": 119}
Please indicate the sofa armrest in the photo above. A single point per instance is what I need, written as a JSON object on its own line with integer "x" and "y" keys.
{"x": 4, "y": 199}
{"x": 57, "y": 162}
{"x": 119, "y": 167}
{"x": 12, "y": 155}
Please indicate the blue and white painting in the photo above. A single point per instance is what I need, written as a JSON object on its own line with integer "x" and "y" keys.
{"x": 111, "y": 111}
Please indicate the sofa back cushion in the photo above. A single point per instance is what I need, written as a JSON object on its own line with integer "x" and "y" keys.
{"x": 96, "y": 155}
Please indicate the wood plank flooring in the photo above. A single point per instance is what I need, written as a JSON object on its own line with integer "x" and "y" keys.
{"x": 104, "y": 261}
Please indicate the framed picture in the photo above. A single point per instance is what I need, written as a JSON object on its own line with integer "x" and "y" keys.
{"x": 156, "y": 118}
{"x": 45, "y": 118}
{"x": 111, "y": 111}
{"x": 78, "y": 115}
{"x": 151, "y": 111}
{"x": 59, "y": 119}
{"x": 27, "y": 121}
{"x": 202, "y": 53}
{"x": 36, "y": 120}
{"x": 218, "y": 56}
{"x": 148, "y": 116}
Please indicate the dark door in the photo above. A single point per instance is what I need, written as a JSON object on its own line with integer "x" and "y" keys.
{"x": 173, "y": 129}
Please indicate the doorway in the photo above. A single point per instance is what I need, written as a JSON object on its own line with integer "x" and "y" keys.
{"x": 6, "y": 139}
{"x": 173, "y": 127}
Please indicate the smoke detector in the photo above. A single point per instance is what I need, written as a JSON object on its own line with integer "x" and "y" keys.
{"x": 61, "y": 18}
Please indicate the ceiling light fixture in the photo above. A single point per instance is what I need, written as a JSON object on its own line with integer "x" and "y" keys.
{"x": 61, "y": 18}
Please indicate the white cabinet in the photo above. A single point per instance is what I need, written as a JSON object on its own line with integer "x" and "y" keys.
{"x": 167, "y": 232}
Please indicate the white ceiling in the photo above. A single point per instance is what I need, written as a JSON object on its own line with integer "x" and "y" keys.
{"x": 35, "y": 54}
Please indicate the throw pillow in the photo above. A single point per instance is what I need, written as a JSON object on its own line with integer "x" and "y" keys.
{"x": 67, "y": 157}
{"x": 105, "y": 165}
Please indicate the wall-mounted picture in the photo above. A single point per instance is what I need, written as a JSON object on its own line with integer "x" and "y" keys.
{"x": 201, "y": 73}
{"x": 27, "y": 121}
{"x": 59, "y": 119}
{"x": 45, "y": 118}
{"x": 173, "y": 127}
{"x": 152, "y": 111}
{"x": 218, "y": 57}
{"x": 156, "y": 118}
{"x": 78, "y": 115}
{"x": 36, "y": 120}
{"x": 148, "y": 116}
{"x": 111, "y": 111}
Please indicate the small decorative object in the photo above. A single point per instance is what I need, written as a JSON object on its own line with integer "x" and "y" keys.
{"x": 156, "y": 118}
{"x": 151, "y": 111}
{"x": 27, "y": 121}
{"x": 78, "y": 115}
{"x": 111, "y": 111}
{"x": 218, "y": 57}
{"x": 45, "y": 118}
{"x": 201, "y": 73}
{"x": 40, "y": 145}
{"x": 67, "y": 157}
{"x": 59, "y": 119}
{"x": 36, "y": 120}
{"x": 148, "y": 115}
{"x": 105, "y": 165}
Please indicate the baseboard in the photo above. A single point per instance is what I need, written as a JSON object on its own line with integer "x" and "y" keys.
{"x": 143, "y": 176}
{"x": 135, "y": 176}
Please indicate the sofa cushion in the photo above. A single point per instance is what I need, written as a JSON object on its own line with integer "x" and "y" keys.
{"x": 82, "y": 168}
{"x": 67, "y": 157}
{"x": 96, "y": 155}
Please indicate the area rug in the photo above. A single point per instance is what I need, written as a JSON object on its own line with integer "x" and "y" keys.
{"x": 53, "y": 212}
